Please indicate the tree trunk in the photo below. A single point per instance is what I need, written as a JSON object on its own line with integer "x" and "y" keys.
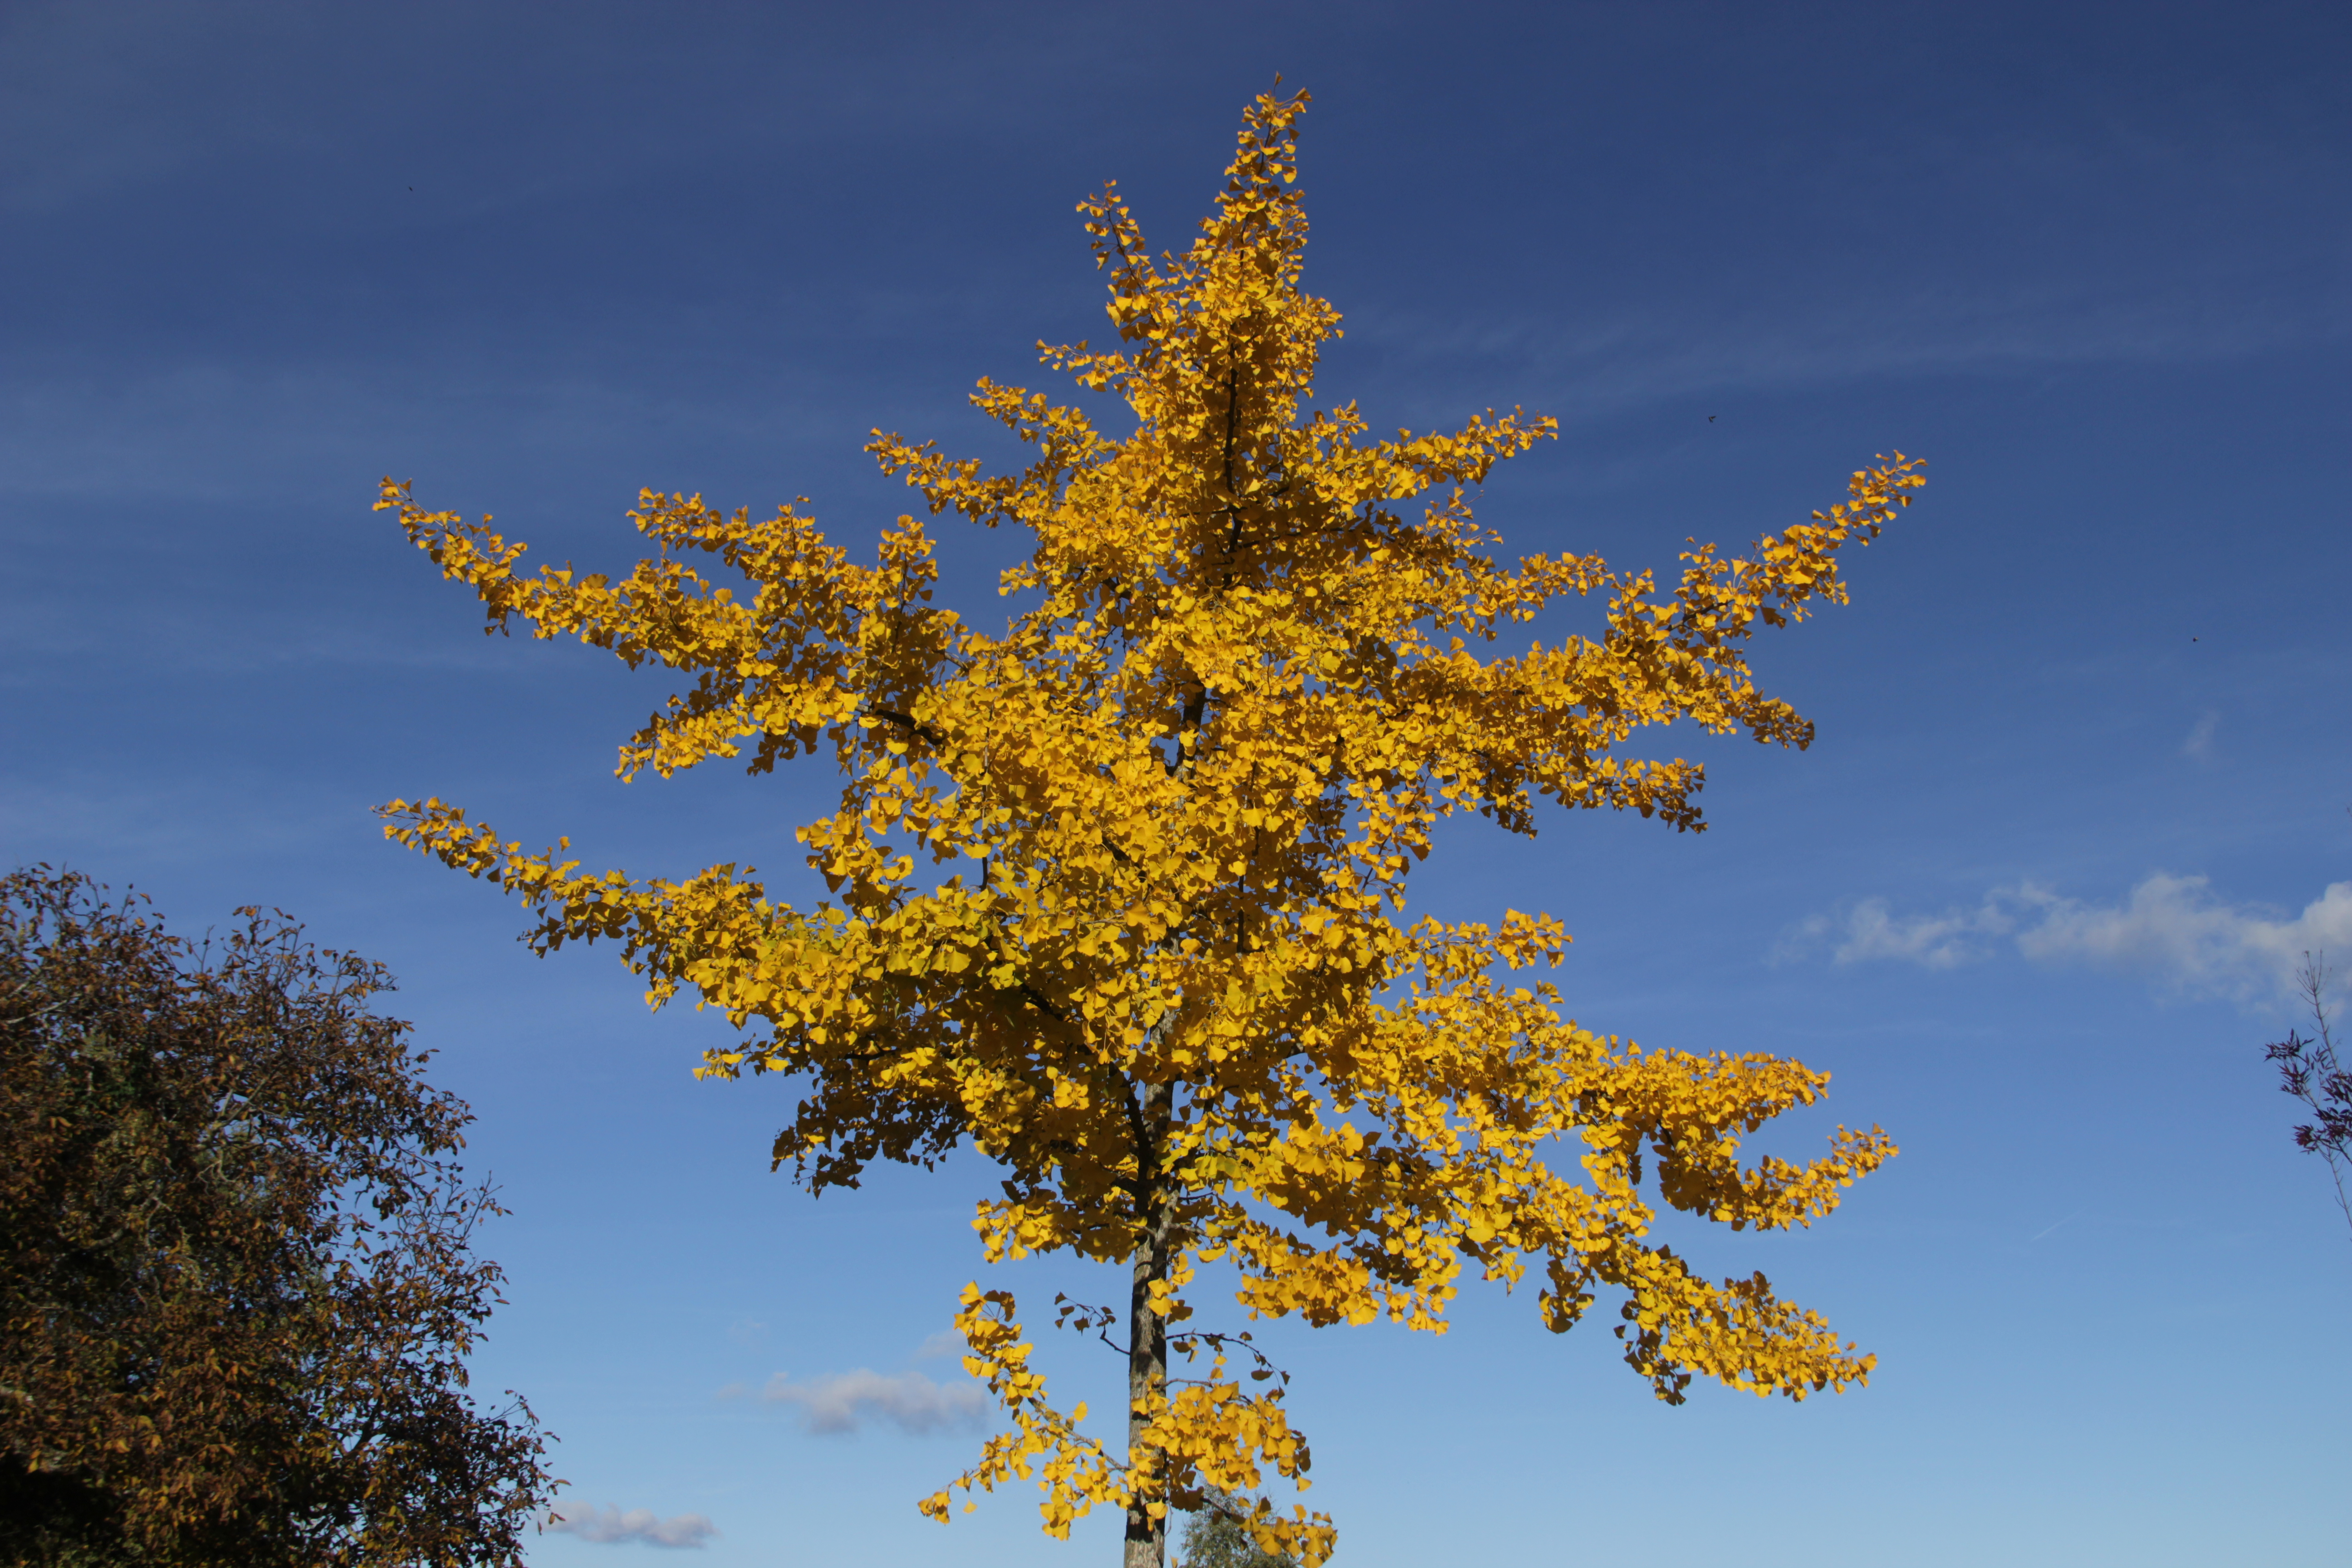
{"x": 1147, "y": 1330}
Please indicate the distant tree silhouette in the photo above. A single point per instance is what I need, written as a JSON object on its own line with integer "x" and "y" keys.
{"x": 1218, "y": 1536}
{"x": 2309, "y": 1071}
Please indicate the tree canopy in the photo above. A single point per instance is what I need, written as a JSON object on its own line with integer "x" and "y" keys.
{"x": 1215, "y": 1536}
{"x": 1118, "y": 894}
{"x": 236, "y": 1290}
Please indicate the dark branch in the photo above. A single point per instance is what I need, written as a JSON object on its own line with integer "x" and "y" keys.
{"x": 907, "y": 721}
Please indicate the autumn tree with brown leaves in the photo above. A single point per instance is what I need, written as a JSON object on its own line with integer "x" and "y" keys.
{"x": 236, "y": 1284}
{"x": 1118, "y": 894}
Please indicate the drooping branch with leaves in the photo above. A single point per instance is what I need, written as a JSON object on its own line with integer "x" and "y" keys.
{"x": 1118, "y": 894}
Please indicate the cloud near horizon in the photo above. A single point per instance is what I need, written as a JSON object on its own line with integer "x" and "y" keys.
{"x": 848, "y": 1401}
{"x": 2169, "y": 927}
{"x": 612, "y": 1527}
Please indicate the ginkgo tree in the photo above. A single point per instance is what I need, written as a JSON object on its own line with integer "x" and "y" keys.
{"x": 1118, "y": 894}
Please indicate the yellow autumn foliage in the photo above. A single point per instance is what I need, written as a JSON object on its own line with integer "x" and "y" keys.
{"x": 1118, "y": 894}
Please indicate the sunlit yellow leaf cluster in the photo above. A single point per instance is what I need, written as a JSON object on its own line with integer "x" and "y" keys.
{"x": 1115, "y": 895}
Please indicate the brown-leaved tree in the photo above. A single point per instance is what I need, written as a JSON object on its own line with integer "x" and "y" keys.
{"x": 1117, "y": 892}
{"x": 235, "y": 1289}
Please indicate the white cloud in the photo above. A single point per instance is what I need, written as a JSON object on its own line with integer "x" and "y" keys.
{"x": 2200, "y": 743}
{"x": 610, "y": 1526}
{"x": 2169, "y": 927}
{"x": 1870, "y": 929}
{"x": 846, "y": 1401}
{"x": 947, "y": 1341}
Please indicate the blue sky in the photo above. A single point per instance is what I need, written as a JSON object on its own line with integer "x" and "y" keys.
{"x": 2079, "y": 796}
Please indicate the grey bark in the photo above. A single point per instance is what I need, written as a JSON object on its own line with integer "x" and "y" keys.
{"x": 1147, "y": 1332}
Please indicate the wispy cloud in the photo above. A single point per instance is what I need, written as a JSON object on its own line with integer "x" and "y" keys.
{"x": 2170, "y": 928}
{"x": 848, "y": 1401}
{"x": 1597, "y": 366}
{"x": 610, "y": 1526}
{"x": 2200, "y": 743}
{"x": 1871, "y": 929}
